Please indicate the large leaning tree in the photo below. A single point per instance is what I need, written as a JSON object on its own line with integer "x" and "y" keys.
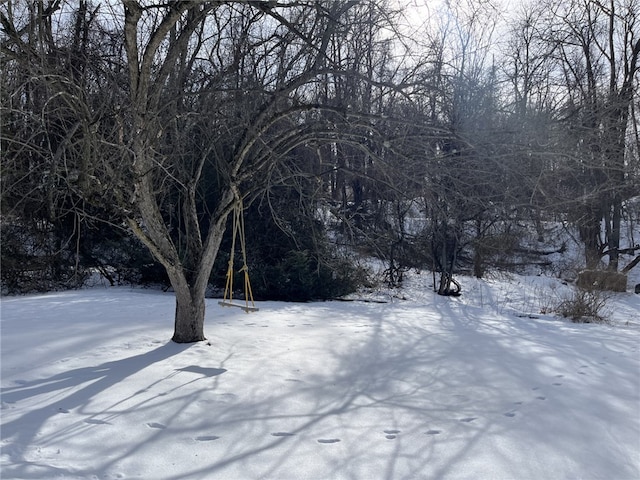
{"x": 182, "y": 110}
{"x": 260, "y": 61}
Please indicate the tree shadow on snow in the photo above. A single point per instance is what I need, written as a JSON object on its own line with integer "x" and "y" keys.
{"x": 409, "y": 393}
{"x": 71, "y": 390}
{"x": 419, "y": 398}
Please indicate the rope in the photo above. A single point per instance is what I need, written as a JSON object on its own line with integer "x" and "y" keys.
{"x": 238, "y": 230}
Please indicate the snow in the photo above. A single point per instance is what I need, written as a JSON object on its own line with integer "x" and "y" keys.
{"x": 483, "y": 386}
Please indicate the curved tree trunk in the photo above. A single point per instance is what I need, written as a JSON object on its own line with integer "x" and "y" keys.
{"x": 190, "y": 297}
{"x": 189, "y": 281}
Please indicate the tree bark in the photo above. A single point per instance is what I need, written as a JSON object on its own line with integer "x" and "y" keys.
{"x": 189, "y": 320}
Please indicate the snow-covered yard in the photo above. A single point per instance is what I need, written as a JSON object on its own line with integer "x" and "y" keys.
{"x": 482, "y": 386}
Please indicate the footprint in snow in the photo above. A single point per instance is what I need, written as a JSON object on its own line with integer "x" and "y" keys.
{"x": 509, "y": 414}
{"x": 541, "y": 398}
{"x": 328, "y": 440}
{"x": 556, "y": 384}
{"x": 63, "y": 410}
{"x": 391, "y": 434}
{"x": 157, "y": 425}
{"x": 433, "y": 432}
{"x": 282, "y": 434}
{"x": 207, "y": 438}
{"x": 468, "y": 419}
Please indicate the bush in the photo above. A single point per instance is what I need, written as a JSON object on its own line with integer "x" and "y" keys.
{"x": 122, "y": 259}
{"x": 290, "y": 255}
{"x": 585, "y": 306}
{"x": 299, "y": 276}
{"x": 38, "y": 256}
{"x": 35, "y": 258}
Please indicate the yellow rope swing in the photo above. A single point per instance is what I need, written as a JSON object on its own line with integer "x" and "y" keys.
{"x": 238, "y": 231}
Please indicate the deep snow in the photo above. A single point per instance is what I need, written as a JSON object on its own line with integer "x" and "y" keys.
{"x": 483, "y": 386}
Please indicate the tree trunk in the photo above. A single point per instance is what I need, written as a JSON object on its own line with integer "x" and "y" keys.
{"x": 614, "y": 235}
{"x": 589, "y": 226}
{"x": 189, "y": 321}
{"x": 189, "y": 282}
{"x": 478, "y": 251}
{"x": 190, "y": 299}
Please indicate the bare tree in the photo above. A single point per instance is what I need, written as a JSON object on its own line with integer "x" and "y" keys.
{"x": 597, "y": 49}
{"x": 216, "y": 93}
{"x": 56, "y": 99}
{"x": 276, "y": 93}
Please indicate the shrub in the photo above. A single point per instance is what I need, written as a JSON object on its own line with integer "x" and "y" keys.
{"x": 36, "y": 257}
{"x": 584, "y": 306}
{"x": 300, "y": 276}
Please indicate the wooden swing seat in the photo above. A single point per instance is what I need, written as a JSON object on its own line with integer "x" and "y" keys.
{"x": 246, "y": 308}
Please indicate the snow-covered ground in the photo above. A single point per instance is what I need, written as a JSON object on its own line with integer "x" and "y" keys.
{"x": 483, "y": 386}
